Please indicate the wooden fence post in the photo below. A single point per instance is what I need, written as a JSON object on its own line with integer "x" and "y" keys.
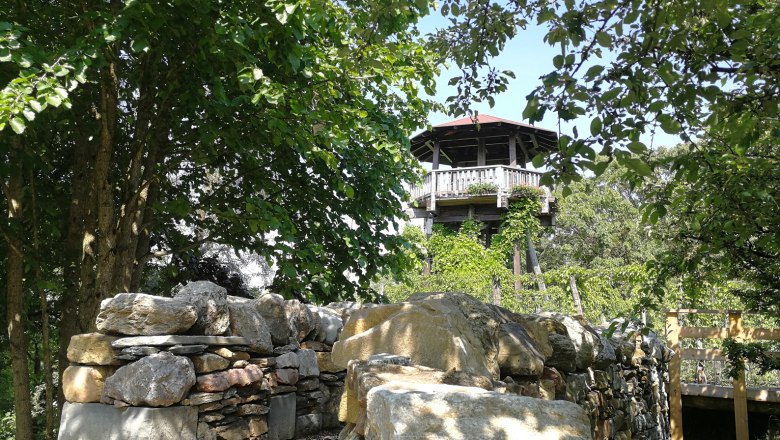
{"x": 740, "y": 394}
{"x": 675, "y": 392}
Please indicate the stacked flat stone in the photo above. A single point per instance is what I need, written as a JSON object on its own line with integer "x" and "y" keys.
{"x": 202, "y": 365}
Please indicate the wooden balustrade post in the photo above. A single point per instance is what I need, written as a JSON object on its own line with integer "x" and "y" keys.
{"x": 740, "y": 394}
{"x": 675, "y": 391}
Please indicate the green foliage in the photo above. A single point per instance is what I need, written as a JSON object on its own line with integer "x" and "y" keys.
{"x": 526, "y": 192}
{"x": 7, "y": 425}
{"x": 286, "y": 137}
{"x": 755, "y": 352}
{"x": 686, "y": 68}
{"x": 722, "y": 224}
{"x": 599, "y": 223}
{"x": 476, "y": 189}
{"x": 519, "y": 221}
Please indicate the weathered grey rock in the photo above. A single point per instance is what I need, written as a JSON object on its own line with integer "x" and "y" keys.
{"x": 195, "y": 399}
{"x": 84, "y": 384}
{"x": 576, "y": 387}
{"x": 281, "y": 417}
{"x": 246, "y": 321}
{"x": 92, "y": 349}
{"x": 231, "y": 355}
{"x": 210, "y": 300}
{"x": 142, "y": 314}
{"x": 518, "y": 353}
{"x": 205, "y": 432}
{"x": 287, "y": 360}
{"x": 330, "y": 325}
{"x": 140, "y": 351}
{"x": 287, "y": 376}
{"x": 454, "y": 412}
{"x": 325, "y": 362}
{"x": 237, "y": 430}
{"x": 462, "y": 330}
{"x": 252, "y": 409}
{"x": 316, "y": 322}
{"x": 94, "y": 421}
{"x": 223, "y": 380}
{"x": 300, "y": 318}
{"x": 308, "y": 424}
{"x": 307, "y": 363}
{"x": 286, "y": 348}
{"x": 161, "y": 379}
{"x": 564, "y": 356}
{"x": 208, "y": 362}
{"x": 257, "y": 426}
{"x": 164, "y": 341}
{"x": 272, "y": 307}
{"x": 586, "y": 341}
{"x": 181, "y": 350}
{"x": 263, "y": 362}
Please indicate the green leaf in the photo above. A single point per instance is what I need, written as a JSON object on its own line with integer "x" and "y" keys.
{"x": 638, "y": 166}
{"x": 637, "y": 147}
{"x": 595, "y": 126}
{"x": 53, "y": 100}
{"x": 604, "y": 39}
{"x": 35, "y": 105}
{"x": 17, "y": 125}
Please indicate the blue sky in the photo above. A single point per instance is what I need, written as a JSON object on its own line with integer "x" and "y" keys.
{"x": 529, "y": 57}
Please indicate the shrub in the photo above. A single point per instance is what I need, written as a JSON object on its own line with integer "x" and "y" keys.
{"x": 482, "y": 188}
{"x": 526, "y": 192}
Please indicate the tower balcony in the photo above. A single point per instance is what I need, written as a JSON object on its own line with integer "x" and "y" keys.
{"x": 478, "y": 185}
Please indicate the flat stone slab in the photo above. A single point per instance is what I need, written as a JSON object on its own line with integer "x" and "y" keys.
{"x": 402, "y": 411}
{"x": 178, "y": 340}
{"x": 95, "y": 421}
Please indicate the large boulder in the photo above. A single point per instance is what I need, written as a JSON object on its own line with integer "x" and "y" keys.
{"x": 589, "y": 346}
{"x": 142, "y": 314}
{"x": 161, "y": 379}
{"x": 402, "y": 411}
{"x": 444, "y": 331}
{"x": 246, "y": 321}
{"x": 362, "y": 376}
{"x": 300, "y": 319}
{"x": 92, "y": 349}
{"x": 211, "y": 303}
{"x": 518, "y": 354}
{"x": 84, "y": 384}
{"x": 330, "y": 325}
{"x": 272, "y": 307}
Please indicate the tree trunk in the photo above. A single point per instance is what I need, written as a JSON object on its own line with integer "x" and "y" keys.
{"x": 44, "y": 305}
{"x": 575, "y": 295}
{"x": 535, "y": 264}
{"x": 15, "y": 300}
{"x": 496, "y": 290}
{"x": 517, "y": 267}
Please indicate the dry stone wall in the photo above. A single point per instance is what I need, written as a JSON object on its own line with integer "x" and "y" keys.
{"x": 203, "y": 365}
{"x": 617, "y": 384}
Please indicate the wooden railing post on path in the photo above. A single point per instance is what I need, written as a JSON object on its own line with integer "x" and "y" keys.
{"x": 675, "y": 392}
{"x": 740, "y": 393}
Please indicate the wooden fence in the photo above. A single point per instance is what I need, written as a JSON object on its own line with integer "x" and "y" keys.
{"x": 735, "y": 330}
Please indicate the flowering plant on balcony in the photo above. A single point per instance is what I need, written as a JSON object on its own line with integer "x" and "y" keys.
{"x": 526, "y": 192}
{"x": 476, "y": 189}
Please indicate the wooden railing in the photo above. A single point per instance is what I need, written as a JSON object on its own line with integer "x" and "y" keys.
{"x": 674, "y": 333}
{"x": 456, "y": 182}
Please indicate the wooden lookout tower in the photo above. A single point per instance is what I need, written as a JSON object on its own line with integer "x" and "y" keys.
{"x": 490, "y": 156}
